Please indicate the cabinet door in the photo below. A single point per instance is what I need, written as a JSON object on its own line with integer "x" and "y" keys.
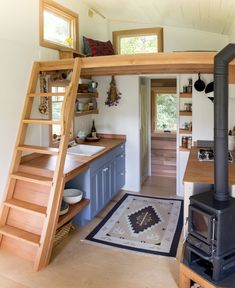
{"x": 96, "y": 192}
{"x": 120, "y": 172}
{"x": 112, "y": 180}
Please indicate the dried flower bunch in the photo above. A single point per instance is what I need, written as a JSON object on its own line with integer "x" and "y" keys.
{"x": 113, "y": 94}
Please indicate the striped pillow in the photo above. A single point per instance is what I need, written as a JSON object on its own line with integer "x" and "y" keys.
{"x": 97, "y": 48}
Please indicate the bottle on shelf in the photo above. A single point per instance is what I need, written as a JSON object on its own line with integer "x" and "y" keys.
{"x": 93, "y": 130}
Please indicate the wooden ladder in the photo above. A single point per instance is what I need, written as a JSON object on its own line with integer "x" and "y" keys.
{"x": 31, "y": 204}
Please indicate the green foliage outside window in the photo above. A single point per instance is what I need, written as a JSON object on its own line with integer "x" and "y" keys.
{"x": 138, "y": 44}
{"x": 166, "y": 112}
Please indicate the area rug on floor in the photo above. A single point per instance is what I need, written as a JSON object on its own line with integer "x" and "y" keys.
{"x": 144, "y": 224}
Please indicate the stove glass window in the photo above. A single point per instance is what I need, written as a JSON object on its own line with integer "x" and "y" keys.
{"x": 200, "y": 224}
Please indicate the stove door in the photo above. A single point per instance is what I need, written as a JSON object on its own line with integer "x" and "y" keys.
{"x": 201, "y": 224}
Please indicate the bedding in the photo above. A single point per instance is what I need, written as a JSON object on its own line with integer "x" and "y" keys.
{"x": 97, "y": 48}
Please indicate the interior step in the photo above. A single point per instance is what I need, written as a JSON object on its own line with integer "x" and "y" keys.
{"x": 38, "y": 149}
{"x": 41, "y": 121}
{"x": 26, "y": 206}
{"x": 32, "y": 178}
{"x": 46, "y": 94}
{"x": 21, "y": 235}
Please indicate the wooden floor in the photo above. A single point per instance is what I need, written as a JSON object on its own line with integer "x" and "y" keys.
{"x": 82, "y": 265}
{"x": 163, "y": 155}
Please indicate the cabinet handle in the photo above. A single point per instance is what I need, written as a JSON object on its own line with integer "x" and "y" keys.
{"x": 105, "y": 169}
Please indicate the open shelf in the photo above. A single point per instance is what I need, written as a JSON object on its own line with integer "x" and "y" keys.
{"x": 185, "y": 113}
{"x": 183, "y": 131}
{"x": 184, "y": 149}
{"x": 185, "y": 95}
{"x": 94, "y": 111}
{"x": 87, "y": 95}
{"x": 74, "y": 209}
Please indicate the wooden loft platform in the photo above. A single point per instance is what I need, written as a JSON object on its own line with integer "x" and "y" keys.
{"x": 156, "y": 63}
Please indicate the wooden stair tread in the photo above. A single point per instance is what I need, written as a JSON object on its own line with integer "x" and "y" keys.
{"x": 39, "y": 149}
{"x": 32, "y": 178}
{"x": 26, "y": 206}
{"x": 46, "y": 94}
{"x": 42, "y": 121}
{"x": 21, "y": 235}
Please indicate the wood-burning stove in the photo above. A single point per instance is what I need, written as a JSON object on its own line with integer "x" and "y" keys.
{"x": 210, "y": 245}
{"x": 211, "y": 235}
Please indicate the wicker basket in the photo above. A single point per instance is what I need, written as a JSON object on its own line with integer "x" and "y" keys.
{"x": 62, "y": 233}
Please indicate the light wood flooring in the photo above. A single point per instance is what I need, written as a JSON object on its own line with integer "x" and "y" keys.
{"x": 80, "y": 265}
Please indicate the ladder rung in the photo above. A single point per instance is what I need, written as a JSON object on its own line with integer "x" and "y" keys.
{"x": 39, "y": 149}
{"x": 65, "y": 64}
{"x": 21, "y": 235}
{"x": 32, "y": 178}
{"x": 26, "y": 206}
{"x": 41, "y": 121}
{"x": 46, "y": 94}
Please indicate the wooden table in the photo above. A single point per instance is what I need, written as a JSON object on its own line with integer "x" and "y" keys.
{"x": 186, "y": 275}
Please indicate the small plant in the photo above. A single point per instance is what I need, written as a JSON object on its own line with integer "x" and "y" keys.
{"x": 69, "y": 41}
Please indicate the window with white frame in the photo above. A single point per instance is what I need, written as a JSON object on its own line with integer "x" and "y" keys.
{"x": 58, "y": 26}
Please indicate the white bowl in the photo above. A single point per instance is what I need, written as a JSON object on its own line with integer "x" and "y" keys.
{"x": 72, "y": 196}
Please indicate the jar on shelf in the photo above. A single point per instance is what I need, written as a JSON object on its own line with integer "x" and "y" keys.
{"x": 184, "y": 142}
{"x": 189, "y": 142}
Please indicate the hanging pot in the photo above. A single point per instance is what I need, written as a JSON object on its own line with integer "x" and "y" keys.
{"x": 209, "y": 88}
{"x": 199, "y": 85}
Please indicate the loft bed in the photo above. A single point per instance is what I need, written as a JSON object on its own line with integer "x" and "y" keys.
{"x": 154, "y": 63}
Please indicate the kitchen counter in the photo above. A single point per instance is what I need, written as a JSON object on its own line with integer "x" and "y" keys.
{"x": 203, "y": 171}
{"x": 199, "y": 177}
{"x": 74, "y": 164}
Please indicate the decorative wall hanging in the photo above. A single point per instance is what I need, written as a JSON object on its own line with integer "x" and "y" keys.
{"x": 113, "y": 94}
{"x": 44, "y": 105}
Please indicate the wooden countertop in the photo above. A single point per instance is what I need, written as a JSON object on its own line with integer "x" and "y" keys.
{"x": 74, "y": 164}
{"x": 203, "y": 171}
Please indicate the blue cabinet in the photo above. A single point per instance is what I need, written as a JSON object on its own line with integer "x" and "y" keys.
{"x": 100, "y": 183}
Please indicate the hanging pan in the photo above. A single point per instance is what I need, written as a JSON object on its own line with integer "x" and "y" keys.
{"x": 199, "y": 85}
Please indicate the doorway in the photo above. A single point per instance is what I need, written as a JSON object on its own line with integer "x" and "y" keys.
{"x": 164, "y": 132}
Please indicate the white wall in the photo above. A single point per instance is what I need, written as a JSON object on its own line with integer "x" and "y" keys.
{"x": 122, "y": 119}
{"x": 19, "y": 26}
{"x": 178, "y": 39}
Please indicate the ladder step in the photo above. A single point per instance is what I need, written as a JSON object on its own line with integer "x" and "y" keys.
{"x": 65, "y": 64}
{"x": 38, "y": 149}
{"x": 26, "y": 206}
{"x": 21, "y": 235}
{"x": 46, "y": 94}
{"x": 41, "y": 121}
{"x": 32, "y": 178}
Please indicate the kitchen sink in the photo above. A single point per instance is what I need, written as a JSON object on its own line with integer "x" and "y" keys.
{"x": 85, "y": 150}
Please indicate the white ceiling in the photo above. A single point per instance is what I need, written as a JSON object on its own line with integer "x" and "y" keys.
{"x": 208, "y": 15}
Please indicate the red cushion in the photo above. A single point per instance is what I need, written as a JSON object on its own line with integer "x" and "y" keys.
{"x": 97, "y": 48}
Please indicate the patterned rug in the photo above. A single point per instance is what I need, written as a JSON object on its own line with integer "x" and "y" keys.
{"x": 144, "y": 224}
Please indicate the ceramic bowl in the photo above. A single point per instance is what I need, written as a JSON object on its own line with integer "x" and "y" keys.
{"x": 72, "y": 196}
{"x": 64, "y": 208}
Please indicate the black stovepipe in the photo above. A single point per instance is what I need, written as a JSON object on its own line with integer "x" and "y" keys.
{"x": 221, "y": 62}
